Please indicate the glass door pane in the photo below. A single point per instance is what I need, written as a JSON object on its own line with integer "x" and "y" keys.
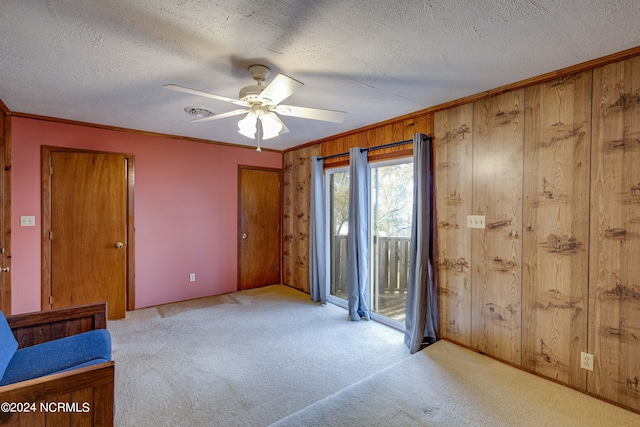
{"x": 391, "y": 211}
{"x": 338, "y": 206}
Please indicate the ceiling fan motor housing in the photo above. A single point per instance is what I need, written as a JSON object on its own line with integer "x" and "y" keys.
{"x": 250, "y": 93}
{"x": 259, "y": 73}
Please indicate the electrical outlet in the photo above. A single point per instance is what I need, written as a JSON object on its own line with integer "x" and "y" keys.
{"x": 586, "y": 361}
{"x": 192, "y": 277}
{"x": 27, "y": 221}
{"x": 475, "y": 221}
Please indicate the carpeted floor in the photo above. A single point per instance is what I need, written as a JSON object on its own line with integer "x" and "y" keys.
{"x": 243, "y": 359}
{"x": 447, "y": 385}
{"x": 269, "y": 355}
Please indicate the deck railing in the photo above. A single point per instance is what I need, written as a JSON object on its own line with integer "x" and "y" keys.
{"x": 390, "y": 270}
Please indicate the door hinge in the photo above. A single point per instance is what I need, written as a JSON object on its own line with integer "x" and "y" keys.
{"x": 51, "y": 300}
{"x": 50, "y": 235}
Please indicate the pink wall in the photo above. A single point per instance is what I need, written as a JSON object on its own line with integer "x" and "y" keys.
{"x": 185, "y": 209}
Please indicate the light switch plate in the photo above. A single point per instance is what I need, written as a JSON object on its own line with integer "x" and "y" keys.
{"x": 475, "y": 221}
{"x": 27, "y": 221}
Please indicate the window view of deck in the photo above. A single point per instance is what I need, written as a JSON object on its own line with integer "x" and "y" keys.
{"x": 391, "y": 210}
{"x": 391, "y": 205}
{"x": 338, "y": 183}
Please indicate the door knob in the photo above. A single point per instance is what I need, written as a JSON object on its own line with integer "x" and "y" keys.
{"x": 244, "y": 236}
{"x": 119, "y": 245}
{"x": 4, "y": 270}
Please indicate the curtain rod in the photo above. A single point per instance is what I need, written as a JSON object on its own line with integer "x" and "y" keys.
{"x": 362, "y": 150}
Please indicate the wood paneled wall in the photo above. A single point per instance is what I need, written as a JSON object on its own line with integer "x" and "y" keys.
{"x": 556, "y": 227}
{"x": 498, "y": 135}
{"x": 373, "y": 136}
{"x": 614, "y": 285}
{"x": 296, "y": 199}
{"x": 554, "y": 169}
{"x": 553, "y": 166}
{"x": 453, "y": 158}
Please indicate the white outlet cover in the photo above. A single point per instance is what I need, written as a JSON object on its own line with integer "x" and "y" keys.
{"x": 28, "y": 221}
{"x": 586, "y": 361}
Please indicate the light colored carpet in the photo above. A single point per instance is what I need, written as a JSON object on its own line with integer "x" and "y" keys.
{"x": 447, "y": 385}
{"x": 244, "y": 359}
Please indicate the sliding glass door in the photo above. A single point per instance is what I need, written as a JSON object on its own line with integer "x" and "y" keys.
{"x": 391, "y": 201}
{"x": 391, "y": 210}
{"x": 338, "y": 220}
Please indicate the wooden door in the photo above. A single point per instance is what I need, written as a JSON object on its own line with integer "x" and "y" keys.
{"x": 88, "y": 230}
{"x": 258, "y": 227}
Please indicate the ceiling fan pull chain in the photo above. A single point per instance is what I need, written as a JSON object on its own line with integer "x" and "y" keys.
{"x": 259, "y": 129}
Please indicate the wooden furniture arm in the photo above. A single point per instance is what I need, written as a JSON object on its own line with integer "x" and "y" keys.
{"x": 42, "y": 326}
{"x": 82, "y": 396}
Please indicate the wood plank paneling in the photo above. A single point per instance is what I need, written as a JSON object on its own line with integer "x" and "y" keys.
{"x": 555, "y": 272}
{"x": 453, "y": 143}
{"x": 288, "y": 223}
{"x": 614, "y": 292}
{"x": 498, "y": 134}
{"x": 396, "y": 131}
{"x": 342, "y": 145}
{"x": 296, "y": 200}
{"x": 556, "y": 229}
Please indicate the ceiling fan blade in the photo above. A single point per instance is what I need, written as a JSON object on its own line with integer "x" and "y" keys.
{"x": 279, "y": 89}
{"x": 284, "y": 129}
{"x": 220, "y": 116}
{"x": 205, "y": 94}
{"x": 310, "y": 113}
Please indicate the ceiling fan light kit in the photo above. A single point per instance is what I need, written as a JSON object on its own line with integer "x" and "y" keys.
{"x": 247, "y": 126}
{"x": 261, "y": 103}
{"x": 271, "y": 125}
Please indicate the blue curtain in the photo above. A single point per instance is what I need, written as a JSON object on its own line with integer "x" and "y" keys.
{"x": 358, "y": 238}
{"x": 421, "y": 323}
{"x": 317, "y": 262}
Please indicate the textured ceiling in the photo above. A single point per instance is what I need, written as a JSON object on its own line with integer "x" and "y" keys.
{"x": 105, "y": 61}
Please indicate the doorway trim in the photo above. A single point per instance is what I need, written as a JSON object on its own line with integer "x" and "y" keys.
{"x": 5, "y": 210}
{"x": 239, "y": 226}
{"x": 45, "y": 167}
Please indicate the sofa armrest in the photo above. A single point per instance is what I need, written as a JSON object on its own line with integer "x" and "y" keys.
{"x": 86, "y": 396}
{"x": 42, "y": 326}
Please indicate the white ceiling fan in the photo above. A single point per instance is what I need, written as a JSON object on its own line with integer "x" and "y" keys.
{"x": 262, "y": 103}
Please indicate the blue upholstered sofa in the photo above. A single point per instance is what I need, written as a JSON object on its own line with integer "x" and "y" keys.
{"x": 57, "y": 356}
{"x": 52, "y": 357}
